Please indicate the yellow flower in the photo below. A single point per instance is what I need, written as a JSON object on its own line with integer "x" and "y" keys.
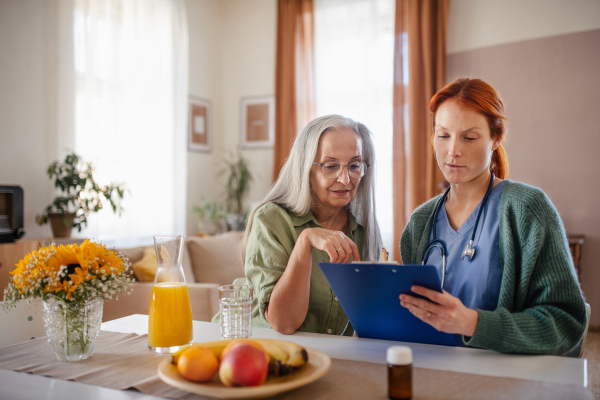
{"x": 21, "y": 273}
{"x": 73, "y": 263}
{"x": 31, "y": 269}
{"x": 81, "y": 275}
{"x": 102, "y": 260}
{"x": 67, "y": 272}
{"x": 70, "y": 289}
{"x": 64, "y": 256}
{"x": 54, "y": 287}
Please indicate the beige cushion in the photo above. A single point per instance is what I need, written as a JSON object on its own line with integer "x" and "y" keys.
{"x": 145, "y": 269}
{"x": 217, "y": 259}
{"x": 137, "y": 253}
{"x": 134, "y": 254}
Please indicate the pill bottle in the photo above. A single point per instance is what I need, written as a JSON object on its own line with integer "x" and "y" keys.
{"x": 399, "y": 364}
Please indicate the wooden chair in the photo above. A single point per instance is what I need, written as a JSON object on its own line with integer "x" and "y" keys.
{"x": 22, "y": 323}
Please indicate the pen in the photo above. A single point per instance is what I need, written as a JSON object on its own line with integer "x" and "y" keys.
{"x": 384, "y": 254}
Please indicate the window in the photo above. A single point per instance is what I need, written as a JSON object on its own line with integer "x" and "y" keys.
{"x": 130, "y": 88}
{"x": 354, "y": 56}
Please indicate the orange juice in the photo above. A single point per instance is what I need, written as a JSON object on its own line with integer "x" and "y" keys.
{"x": 170, "y": 321}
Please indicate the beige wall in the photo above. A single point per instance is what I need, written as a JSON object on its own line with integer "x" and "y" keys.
{"x": 551, "y": 89}
{"x": 24, "y": 137}
{"x": 475, "y": 24}
{"x": 248, "y": 69}
{"x": 232, "y": 55}
{"x": 204, "y": 25}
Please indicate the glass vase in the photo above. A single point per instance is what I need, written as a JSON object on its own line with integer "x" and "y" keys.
{"x": 72, "y": 327}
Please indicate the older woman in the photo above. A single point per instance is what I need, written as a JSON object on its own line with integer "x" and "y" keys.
{"x": 320, "y": 209}
{"x": 509, "y": 281}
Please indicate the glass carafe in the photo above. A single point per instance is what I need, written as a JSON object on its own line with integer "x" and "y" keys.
{"x": 170, "y": 322}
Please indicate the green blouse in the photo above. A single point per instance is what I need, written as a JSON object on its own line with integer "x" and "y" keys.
{"x": 274, "y": 233}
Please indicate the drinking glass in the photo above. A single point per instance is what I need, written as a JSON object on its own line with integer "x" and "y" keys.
{"x": 170, "y": 322}
{"x": 236, "y": 311}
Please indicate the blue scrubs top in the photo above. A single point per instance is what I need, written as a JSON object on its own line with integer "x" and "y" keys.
{"x": 475, "y": 282}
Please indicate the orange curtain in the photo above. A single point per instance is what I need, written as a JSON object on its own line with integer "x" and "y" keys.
{"x": 294, "y": 77}
{"x": 420, "y": 47}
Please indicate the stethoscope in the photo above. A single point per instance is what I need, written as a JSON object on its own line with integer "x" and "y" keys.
{"x": 469, "y": 251}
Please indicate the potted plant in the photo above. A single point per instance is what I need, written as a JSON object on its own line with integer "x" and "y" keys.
{"x": 211, "y": 216}
{"x": 80, "y": 195}
{"x": 238, "y": 187}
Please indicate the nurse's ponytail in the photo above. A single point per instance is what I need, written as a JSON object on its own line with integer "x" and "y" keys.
{"x": 479, "y": 96}
{"x": 499, "y": 165}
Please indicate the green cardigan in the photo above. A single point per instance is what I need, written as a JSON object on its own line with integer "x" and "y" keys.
{"x": 540, "y": 309}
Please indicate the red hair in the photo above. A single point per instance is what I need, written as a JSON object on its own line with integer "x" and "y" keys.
{"x": 479, "y": 96}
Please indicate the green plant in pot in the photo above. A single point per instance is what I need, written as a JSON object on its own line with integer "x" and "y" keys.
{"x": 211, "y": 216}
{"x": 80, "y": 195}
{"x": 237, "y": 189}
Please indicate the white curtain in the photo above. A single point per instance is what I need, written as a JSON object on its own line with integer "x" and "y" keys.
{"x": 130, "y": 88}
{"x": 354, "y": 56}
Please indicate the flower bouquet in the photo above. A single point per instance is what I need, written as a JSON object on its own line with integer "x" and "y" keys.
{"x": 73, "y": 282}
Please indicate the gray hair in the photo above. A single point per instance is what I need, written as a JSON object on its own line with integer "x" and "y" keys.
{"x": 292, "y": 188}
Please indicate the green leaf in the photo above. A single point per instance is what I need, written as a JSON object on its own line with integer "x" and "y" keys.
{"x": 238, "y": 182}
{"x": 81, "y": 193}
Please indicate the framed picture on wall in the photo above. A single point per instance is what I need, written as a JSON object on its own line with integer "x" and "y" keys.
{"x": 258, "y": 122}
{"x": 200, "y": 125}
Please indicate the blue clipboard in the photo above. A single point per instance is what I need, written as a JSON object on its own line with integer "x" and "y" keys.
{"x": 369, "y": 295}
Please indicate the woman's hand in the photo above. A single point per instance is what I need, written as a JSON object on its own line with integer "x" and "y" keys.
{"x": 444, "y": 312}
{"x": 339, "y": 246}
{"x": 288, "y": 305}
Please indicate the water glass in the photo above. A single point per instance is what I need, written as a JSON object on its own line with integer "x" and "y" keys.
{"x": 236, "y": 311}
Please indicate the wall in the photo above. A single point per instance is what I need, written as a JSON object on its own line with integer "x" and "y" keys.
{"x": 232, "y": 55}
{"x": 473, "y": 24}
{"x": 248, "y": 69}
{"x": 551, "y": 87}
{"x": 23, "y": 129}
{"x": 204, "y": 22}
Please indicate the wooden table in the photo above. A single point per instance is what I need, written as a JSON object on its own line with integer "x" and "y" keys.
{"x": 562, "y": 370}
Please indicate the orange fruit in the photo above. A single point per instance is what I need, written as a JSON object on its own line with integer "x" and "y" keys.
{"x": 198, "y": 364}
{"x": 236, "y": 342}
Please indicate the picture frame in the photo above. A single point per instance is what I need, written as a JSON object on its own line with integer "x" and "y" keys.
{"x": 200, "y": 125}
{"x": 257, "y": 122}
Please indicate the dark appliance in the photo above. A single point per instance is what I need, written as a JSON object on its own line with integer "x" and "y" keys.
{"x": 11, "y": 213}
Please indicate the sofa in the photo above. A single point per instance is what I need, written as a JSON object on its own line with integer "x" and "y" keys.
{"x": 208, "y": 262}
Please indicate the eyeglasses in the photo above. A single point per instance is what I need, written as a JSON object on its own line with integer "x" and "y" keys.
{"x": 331, "y": 170}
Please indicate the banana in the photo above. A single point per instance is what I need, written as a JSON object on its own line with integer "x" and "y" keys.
{"x": 297, "y": 354}
{"x": 216, "y": 347}
{"x": 278, "y": 362}
{"x": 284, "y": 356}
{"x": 178, "y": 353}
{"x": 275, "y": 352}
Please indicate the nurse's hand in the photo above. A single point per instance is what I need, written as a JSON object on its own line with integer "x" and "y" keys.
{"x": 444, "y": 312}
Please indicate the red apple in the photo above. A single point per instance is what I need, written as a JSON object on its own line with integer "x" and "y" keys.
{"x": 244, "y": 365}
{"x": 236, "y": 342}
